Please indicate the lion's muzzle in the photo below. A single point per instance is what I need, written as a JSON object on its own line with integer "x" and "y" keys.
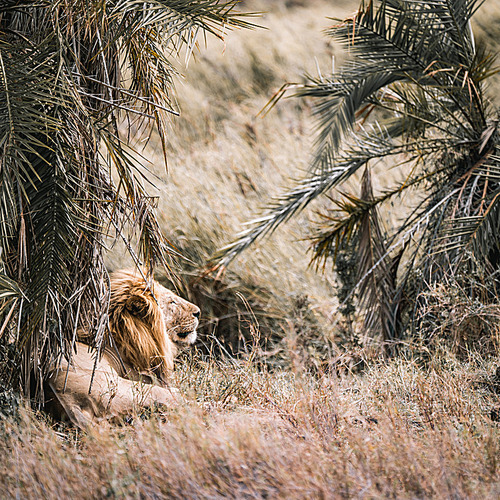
{"x": 187, "y": 334}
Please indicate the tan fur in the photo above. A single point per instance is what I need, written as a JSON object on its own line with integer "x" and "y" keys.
{"x": 139, "y": 317}
{"x": 146, "y": 321}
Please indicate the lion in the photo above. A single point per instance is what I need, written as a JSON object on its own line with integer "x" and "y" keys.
{"x": 147, "y": 322}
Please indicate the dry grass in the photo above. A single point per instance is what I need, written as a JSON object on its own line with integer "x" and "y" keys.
{"x": 398, "y": 431}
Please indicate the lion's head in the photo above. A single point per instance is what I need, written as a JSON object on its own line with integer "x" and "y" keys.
{"x": 147, "y": 320}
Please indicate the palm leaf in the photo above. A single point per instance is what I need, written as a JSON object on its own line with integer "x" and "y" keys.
{"x": 418, "y": 63}
{"x": 69, "y": 72}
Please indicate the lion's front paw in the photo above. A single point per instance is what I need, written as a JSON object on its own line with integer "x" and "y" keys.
{"x": 166, "y": 395}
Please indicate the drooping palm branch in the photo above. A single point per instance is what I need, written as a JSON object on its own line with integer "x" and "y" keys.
{"x": 70, "y": 71}
{"x": 412, "y": 95}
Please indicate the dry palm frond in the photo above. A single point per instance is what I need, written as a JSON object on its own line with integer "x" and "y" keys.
{"x": 69, "y": 72}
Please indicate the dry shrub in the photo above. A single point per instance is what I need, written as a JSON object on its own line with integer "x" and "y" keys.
{"x": 241, "y": 318}
{"x": 233, "y": 309}
{"x": 452, "y": 316}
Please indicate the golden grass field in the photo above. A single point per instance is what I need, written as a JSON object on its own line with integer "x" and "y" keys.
{"x": 398, "y": 431}
{"x": 251, "y": 427}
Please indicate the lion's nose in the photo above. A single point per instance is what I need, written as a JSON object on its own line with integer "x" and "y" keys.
{"x": 196, "y": 314}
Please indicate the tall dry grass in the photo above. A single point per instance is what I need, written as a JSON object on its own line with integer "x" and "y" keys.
{"x": 398, "y": 431}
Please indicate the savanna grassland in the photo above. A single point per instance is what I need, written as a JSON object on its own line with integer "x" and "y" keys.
{"x": 280, "y": 402}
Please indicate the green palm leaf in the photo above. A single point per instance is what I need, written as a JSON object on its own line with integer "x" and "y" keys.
{"x": 415, "y": 67}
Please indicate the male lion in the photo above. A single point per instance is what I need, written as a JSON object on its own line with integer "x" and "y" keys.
{"x": 146, "y": 322}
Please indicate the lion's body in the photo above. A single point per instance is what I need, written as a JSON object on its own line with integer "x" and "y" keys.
{"x": 145, "y": 322}
{"x": 111, "y": 395}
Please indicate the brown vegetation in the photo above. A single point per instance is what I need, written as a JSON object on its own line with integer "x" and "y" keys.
{"x": 398, "y": 431}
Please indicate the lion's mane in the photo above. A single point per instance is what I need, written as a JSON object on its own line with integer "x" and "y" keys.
{"x": 137, "y": 325}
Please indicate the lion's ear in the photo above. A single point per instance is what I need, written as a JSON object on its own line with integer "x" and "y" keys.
{"x": 136, "y": 305}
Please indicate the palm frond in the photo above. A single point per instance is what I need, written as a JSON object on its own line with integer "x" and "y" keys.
{"x": 368, "y": 145}
{"x": 470, "y": 228}
{"x": 336, "y": 227}
{"x": 299, "y": 197}
{"x": 398, "y": 42}
{"x": 376, "y": 273}
{"x": 69, "y": 72}
{"x": 414, "y": 65}
{"x": 9, "y": 290}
